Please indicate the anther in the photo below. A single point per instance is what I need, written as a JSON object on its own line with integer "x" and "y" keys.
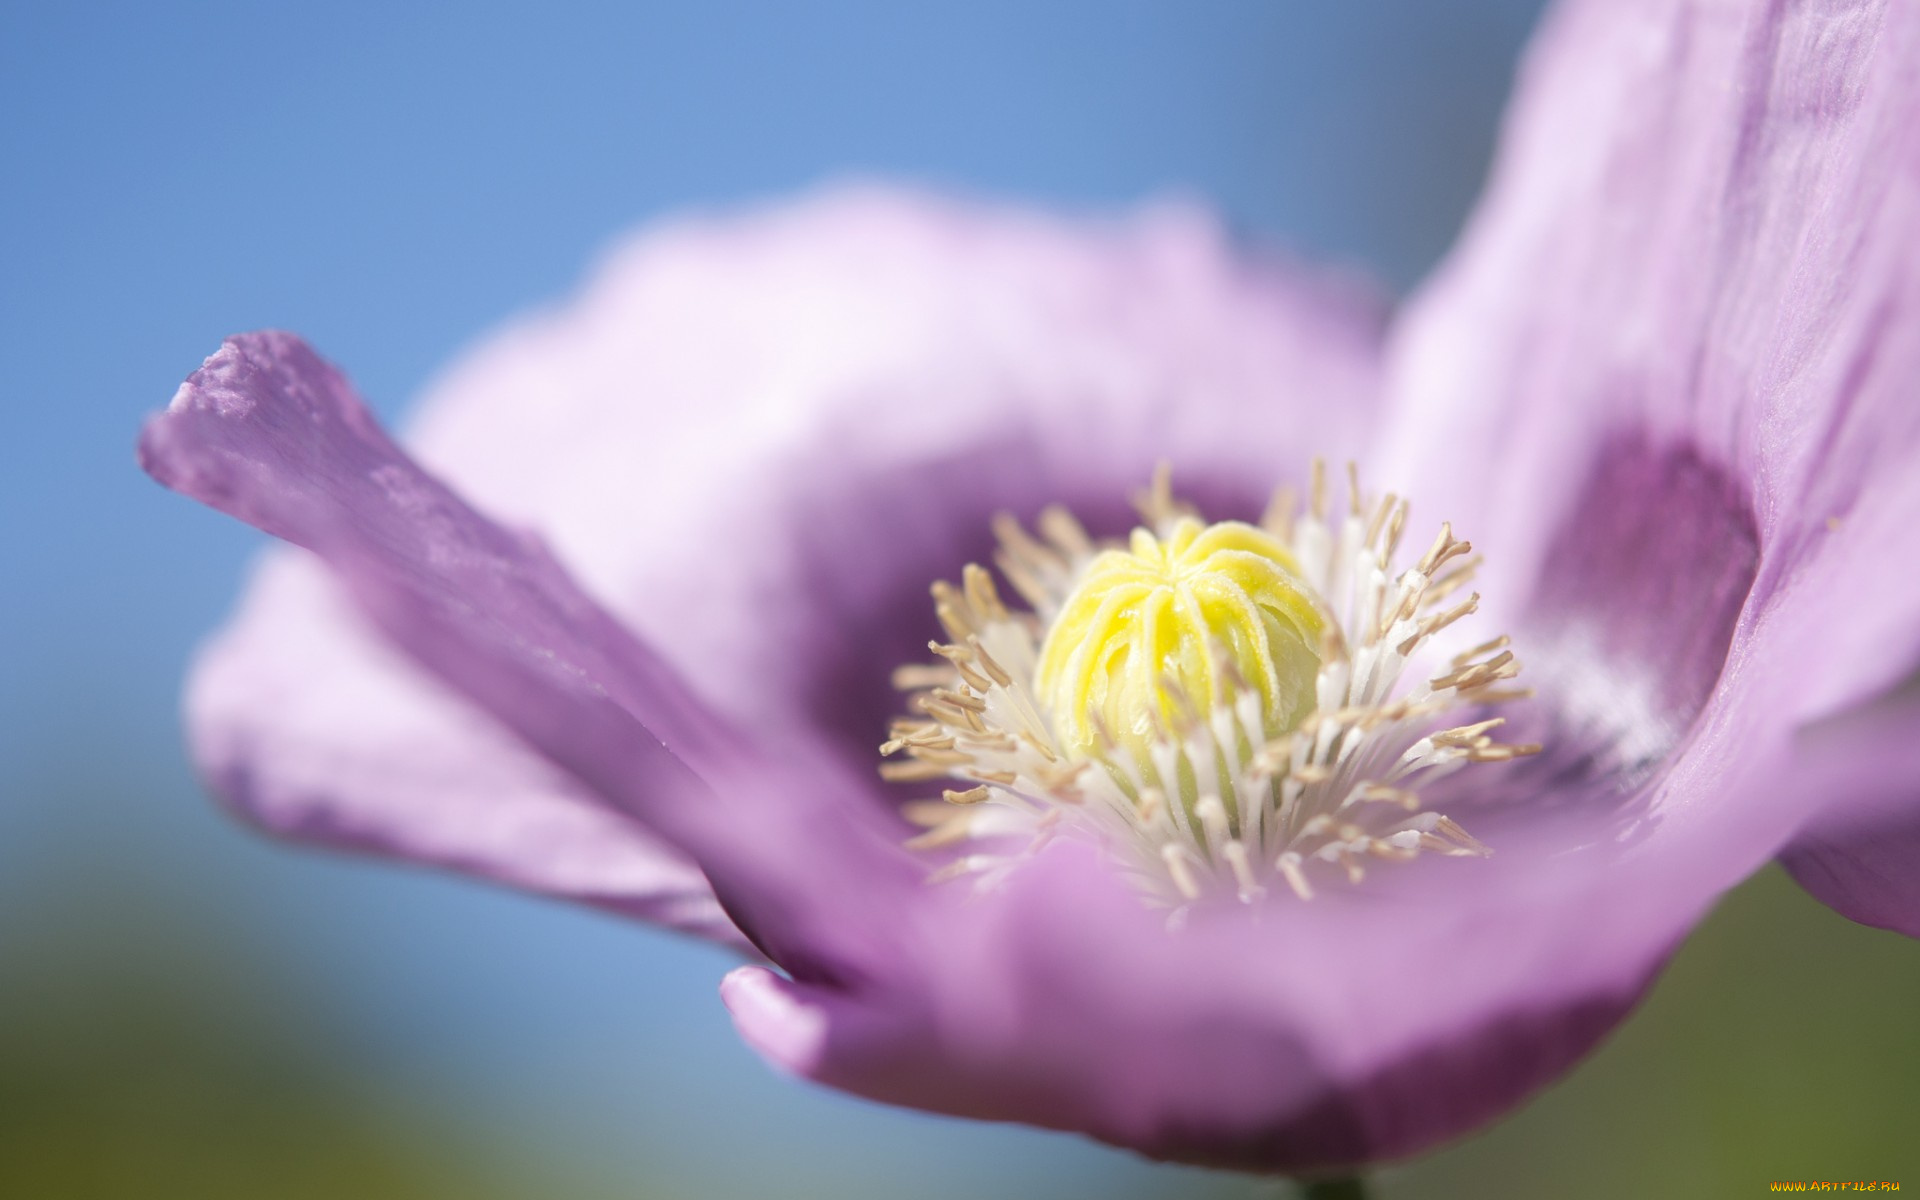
{"x": 1436, "y": 623}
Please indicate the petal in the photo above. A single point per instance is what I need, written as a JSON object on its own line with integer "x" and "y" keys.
{"x": 1631, "y": 625}
{"x": 1700, "y": 241}
{"x": 1861, "y": 855}
{"x": 269, "y": 433}
{"x": 759, "y": 437}
{"x": 305, "y": 721}
{"x": 1310, "y": 1038}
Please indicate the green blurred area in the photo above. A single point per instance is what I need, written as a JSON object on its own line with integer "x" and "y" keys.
{"x": 140, "y": 1058}
{"x": 1782, "y": 1043}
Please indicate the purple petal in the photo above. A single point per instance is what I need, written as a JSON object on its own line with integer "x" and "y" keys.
{"x": 304, "y": 720}
{"x": 759, "y": 437}
{"x": 1305, "y": 1038}
{"x": 268, "y": 432}
{"x": 1861, "y": 855}
{"x": 1700, "y": 241}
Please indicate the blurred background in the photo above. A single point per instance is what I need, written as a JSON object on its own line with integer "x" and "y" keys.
{"x": 189, "y": 1011}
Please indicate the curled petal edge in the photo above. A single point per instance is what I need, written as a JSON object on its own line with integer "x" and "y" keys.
{"x": 268, "y": 432}
{"x": 1861, "y": 856}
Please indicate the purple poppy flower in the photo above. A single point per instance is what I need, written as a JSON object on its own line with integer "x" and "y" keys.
{"x": 1664, "y": 384}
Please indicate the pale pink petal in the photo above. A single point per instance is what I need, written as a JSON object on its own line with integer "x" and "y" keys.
{"x": 1701, "y": 245}
{"x": 305, "y": 721}
{"x": 1861, "y": 852}
{"x": 759, "y": 436}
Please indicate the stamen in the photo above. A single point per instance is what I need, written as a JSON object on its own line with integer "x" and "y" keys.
{"x": 1226, "y": 708}
{"x": 1175, "y": 856}
{"x": 1064, "y": 531}
{"x": 912, "y": 772}
{"x": 1278, "y": 519}
{"x": 911, "y": 677}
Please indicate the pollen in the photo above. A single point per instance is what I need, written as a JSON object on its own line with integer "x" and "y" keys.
{"x": 1229, "y": 709}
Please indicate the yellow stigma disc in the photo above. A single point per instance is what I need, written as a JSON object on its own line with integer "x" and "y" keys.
{"x": 1163, "y": 611}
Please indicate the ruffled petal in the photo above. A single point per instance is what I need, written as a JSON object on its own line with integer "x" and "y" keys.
{"x": 759, "y": 437}
{"x": 303, "y": 720}
{"x": 1702, "y": 244}
{"x": 1294, "y": 1039}
{"x": 268, "y": 432}
{"x": 1861, "y": 854}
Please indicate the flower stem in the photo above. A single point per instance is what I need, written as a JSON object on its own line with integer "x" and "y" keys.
{"x": 1338, "y": 1187}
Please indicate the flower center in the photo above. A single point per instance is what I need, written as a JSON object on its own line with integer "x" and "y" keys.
{"x": 1219, "y": 706}
{"x": 1154, "y": 632}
